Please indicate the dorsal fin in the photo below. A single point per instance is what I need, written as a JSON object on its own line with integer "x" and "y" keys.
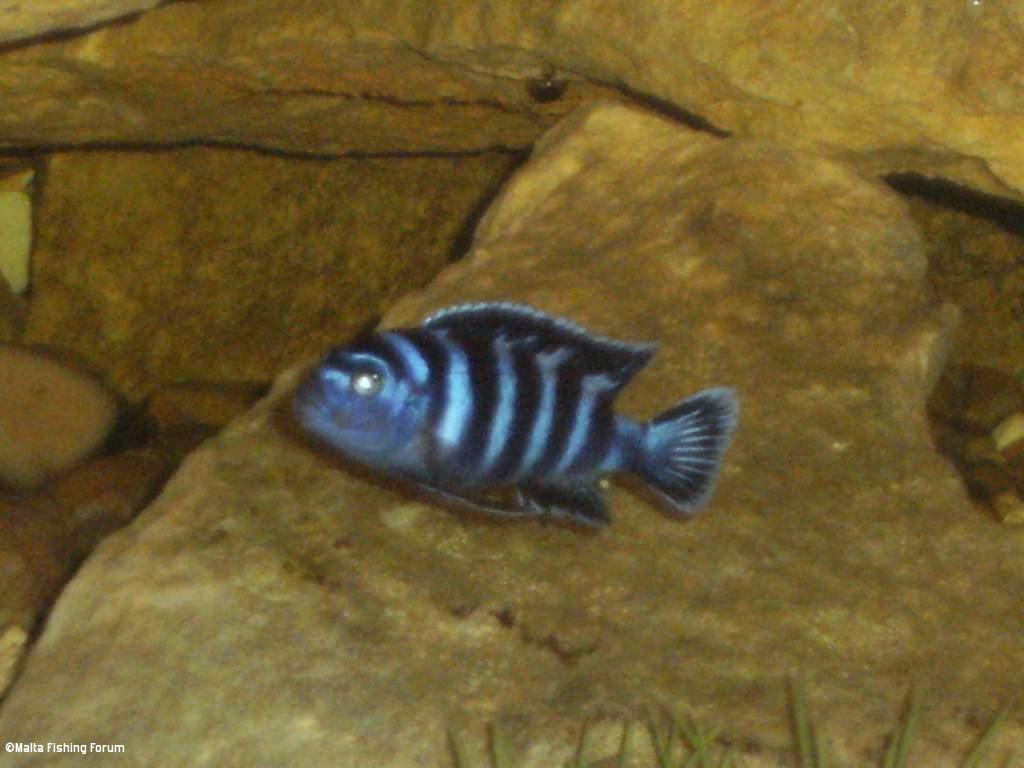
{"x": 522, "y": 325}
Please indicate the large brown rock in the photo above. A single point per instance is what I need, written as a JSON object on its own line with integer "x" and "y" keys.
{"x": 53, "y": 414}
{"x": 321, "y": 79}
{"x": 898, "y": 84}
{"x": 272, "y": 608}
{"x": 224, "y": 265}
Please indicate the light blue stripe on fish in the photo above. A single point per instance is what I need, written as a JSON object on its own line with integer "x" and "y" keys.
{"x": 501, "y": 428}
{"x": 410, "y": 354}
{"x": 458, "y": 405}
{"x": 591, "y": 386}
{"x": 547, "y": 364}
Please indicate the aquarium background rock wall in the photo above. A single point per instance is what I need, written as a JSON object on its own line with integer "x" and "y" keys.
{"x": 907, "y": 85}
{"x": 227, "y": 264}
{"x": 820, "y": 204}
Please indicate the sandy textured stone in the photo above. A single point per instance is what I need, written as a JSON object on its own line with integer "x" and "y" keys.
{"x": 45, "y": 536}
{"x": 272, "y": 608}
{"x": 13, "y": 642}
{"x": 918, "y": 85}
{"x": 38, "y": 17}
{"x": 373, "y": 77}
{"x": 224, "y": 265}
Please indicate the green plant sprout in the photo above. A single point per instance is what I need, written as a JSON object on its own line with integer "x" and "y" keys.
{"x": 688, "y": 744}
{"x": 898, "y": 751}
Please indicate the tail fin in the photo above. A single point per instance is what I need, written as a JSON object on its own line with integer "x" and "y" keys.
{"x": 683, "y": 448}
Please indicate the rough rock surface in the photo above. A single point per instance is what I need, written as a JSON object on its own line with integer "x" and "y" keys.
{"x": 45, "y": 536}
{"x": 900, "y": 84}
{"x": 365, "y": 78}
{"x": 272, "y": 608}
{"x": 39, "y": 17}
{"x": 182, "y": 264}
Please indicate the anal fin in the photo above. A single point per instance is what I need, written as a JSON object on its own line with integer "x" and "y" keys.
{"x": 580, "y": 503}
{"x": 480, "y": 503}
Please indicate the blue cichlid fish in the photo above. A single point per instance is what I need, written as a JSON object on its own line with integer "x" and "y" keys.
{"x": 502, "y": 396}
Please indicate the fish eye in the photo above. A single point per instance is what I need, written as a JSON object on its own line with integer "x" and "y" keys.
{"x": 367, "y": 383}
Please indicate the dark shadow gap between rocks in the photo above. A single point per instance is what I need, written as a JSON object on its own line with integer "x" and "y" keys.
{"x": 463, "y": 240}
{"x": 975, "y": 416}
{"x": 72, "y": 33}
{"x": 671, "y": 110}
{"x": 1002, "y": 211}
{"x": 42, "y": 150}
{"x": 974, "y": 406}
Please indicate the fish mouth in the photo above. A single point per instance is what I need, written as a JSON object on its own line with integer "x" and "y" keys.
{"x": 310, "y": 406}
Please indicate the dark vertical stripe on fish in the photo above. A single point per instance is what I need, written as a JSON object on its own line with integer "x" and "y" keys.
{"x": 483, "y": 367}
{"x": 507, "y": 407}
{"x": 567, "y": 393}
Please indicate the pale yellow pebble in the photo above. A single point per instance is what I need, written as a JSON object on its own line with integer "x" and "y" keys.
{"x": 1009, "y": 508}
{"x": 16, "y": 231}
{"x": 12, "y": 645}
{"x": 1009, "y": 431}
{"x": 51, "y": 416}
{"x": 402, "y": 517}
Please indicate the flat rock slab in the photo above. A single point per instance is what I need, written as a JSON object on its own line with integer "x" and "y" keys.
{"x": 42, "y": 17}
{"x": 903, "y": 85}
{"x": 273, "y": 609}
